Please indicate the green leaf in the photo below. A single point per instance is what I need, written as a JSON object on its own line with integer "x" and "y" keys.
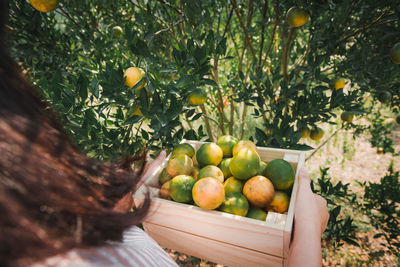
{"x": 210, "y": 82}
{"x": 132, "y": 120}
{"x": 94, "y": 87}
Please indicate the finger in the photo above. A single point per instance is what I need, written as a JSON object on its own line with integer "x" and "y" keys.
{"x": 304, "y": 180}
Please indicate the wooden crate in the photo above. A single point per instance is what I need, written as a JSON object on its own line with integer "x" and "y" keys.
{"x": 218, "y": 236}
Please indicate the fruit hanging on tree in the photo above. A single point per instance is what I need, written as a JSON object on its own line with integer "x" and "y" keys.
{"x": 305, "y": 131}
{"x": 347, "y": 116}
{"x": 117, "y": 31}
{"x": 385, "y": 97}
{"x": 316, "y": 133}
{"x": 296, "y": 17}
{"x": 339, "y": 83}
{"x": 395, "y": 53}
{"x": 198, "y": 96}
{"x": 44, "y": 5}
{"x": 135, "y": 77}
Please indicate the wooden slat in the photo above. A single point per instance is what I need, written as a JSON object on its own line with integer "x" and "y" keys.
{"x": 292, "y": 204}
{"x": 232, "y": 229}
{"x": 212, "y": 250}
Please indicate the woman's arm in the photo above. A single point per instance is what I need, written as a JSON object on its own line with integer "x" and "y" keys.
{"x": 310, "y": 220}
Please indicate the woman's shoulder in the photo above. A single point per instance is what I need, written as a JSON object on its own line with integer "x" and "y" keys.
{"x": 137, "y": 249}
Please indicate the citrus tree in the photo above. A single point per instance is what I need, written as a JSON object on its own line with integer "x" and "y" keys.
{"x": 128, "y": 74}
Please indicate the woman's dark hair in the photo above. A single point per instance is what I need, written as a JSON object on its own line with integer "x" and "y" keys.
{"x": 52, "y": 197}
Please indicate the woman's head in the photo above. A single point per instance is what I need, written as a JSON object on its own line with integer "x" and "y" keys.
{"x": 52, "y": 197}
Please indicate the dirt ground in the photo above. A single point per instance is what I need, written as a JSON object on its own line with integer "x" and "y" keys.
{"x": 349, "y": 160}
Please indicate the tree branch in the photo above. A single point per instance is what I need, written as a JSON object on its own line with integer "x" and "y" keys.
{"x": 371, "y": 25}
{"x": 286, "y": 53}
{"x": 247, "y": 37}
{"x": 273, "y": 33}
{"x": 170, "y": 27}
{"x": 232, "y": 112}
{"x": 227, "y": 23}
{"x": 262, "y": 34}
{"x": 243, "y": 120}
{"x": 170, "y": 6}
{"x": 206, "y": 122}
{"x": 326, "y": 141}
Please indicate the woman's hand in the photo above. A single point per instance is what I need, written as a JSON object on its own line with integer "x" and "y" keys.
{"x": 126, "y": 202}
{"x": 310, "y": 219}
{"x": 310, "y": 208}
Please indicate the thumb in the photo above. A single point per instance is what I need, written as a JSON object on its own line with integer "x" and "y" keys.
{"x": 304, "y": 179}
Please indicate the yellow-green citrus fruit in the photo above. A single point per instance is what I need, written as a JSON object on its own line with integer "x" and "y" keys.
{"x": 259, "y": 191}
{"x": 347, "y": 116}
{"x": 209, "y": 154}
{"x": 198, "y": 96}
{"x": 261, "y": 170}
{"x": 135, "y": 110}
{"x": 281, "y": 174}
{"x": 398, "y": 119}
{"x": 305, "y": 131}
{"x": 164, "y": 176}
{"x": 211, "y": 171}
{"x": 195, "y": 171}
{"x": 243, "y": 144}
{"x": 297, "y": 17}
{"x": 181, "y": 164}
{"x": 44, "y": 5}
{"x": 133, "y": 76}
{"x": 224, "y": 166}
{"x": 395, "y": 53}
{"x": 235, "y": 203}
{"x": 316, "y": 133}
{"x": 226, "y": 143}
{"x": 208, "y": 193}
{"x": 268, "y": 131}
{"x": 184, "y": 148}
{"x": 245, "y": 164}
{"x": 180, "y": 188}
{"x": 164, "y": 191}
{"x": 257, "y": 213}
{"x": 117, "y": 31}
{"x": 339, "y": 83}
{"x": 233, "y": 185}
{"x": 280, "y": 202}
{"x": 385, "y": 97}
{"x": 380, "y": 151}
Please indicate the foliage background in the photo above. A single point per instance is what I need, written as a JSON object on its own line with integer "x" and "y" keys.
{"x": 264, "y": 79}
{"x": 243, "y": 52}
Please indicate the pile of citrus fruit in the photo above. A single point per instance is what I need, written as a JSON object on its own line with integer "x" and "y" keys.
{"x": 229, "y": 176}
